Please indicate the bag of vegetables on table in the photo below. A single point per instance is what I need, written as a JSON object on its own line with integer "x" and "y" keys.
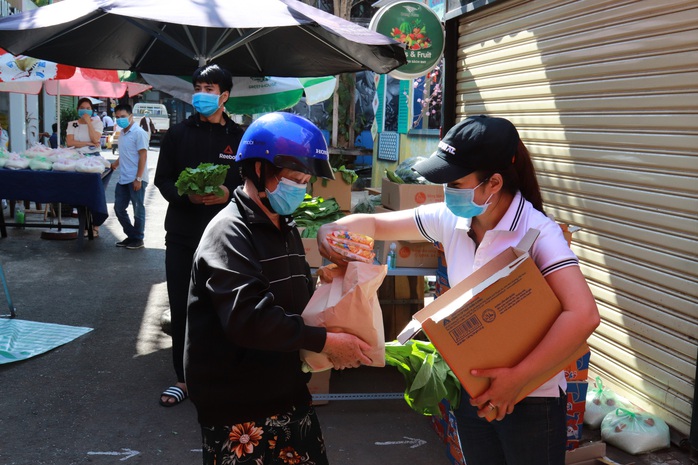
{"x": 203, "y": 180}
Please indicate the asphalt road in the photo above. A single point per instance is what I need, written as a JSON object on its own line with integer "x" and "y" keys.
{"x": 95, "y": 400}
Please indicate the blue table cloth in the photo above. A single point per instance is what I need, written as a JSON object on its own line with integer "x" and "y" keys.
{"x": 76, "y": 189}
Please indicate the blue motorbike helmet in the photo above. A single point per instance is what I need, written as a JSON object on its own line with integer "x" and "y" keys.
{"x": 286, "y": 141}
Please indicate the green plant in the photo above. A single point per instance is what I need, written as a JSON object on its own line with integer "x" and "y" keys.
{"x": 67, "y": 115}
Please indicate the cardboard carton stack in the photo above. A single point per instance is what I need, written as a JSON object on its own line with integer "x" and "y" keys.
{"x": 338, "y": 189}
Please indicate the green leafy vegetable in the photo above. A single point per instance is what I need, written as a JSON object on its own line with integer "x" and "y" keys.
{"x": 428, "y": 378}
{"x": 349, "y": 176}
{"x": 313, "y": 212}
{"x": 202, "y": 180}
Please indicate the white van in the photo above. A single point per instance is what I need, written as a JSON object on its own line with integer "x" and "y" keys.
{"x": 157, "y": 112}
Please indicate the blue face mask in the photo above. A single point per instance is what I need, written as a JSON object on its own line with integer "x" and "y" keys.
{"x": 82, "y": 112}
{"x": 287, "y": 196}
{"x": 122, "y": 122}
{"x": 204, "y": 103}
{"x": 461, "y": 203}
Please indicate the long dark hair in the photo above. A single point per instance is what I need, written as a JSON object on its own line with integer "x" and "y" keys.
{"x": 519, "y": 175}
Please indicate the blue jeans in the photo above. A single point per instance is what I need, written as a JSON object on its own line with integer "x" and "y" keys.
{"x": 534, "y": 434}
{"x": 124, "y": 194}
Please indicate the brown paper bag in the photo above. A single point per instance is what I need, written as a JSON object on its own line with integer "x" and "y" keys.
{"x": 348, "y": 304}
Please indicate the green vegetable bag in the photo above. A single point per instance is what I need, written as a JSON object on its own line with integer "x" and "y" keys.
{"x": 203, "y": 180}
{"x": 428, "y": 378}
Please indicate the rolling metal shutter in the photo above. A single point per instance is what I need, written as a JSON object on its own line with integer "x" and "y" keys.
{"x": 605, "y": 96}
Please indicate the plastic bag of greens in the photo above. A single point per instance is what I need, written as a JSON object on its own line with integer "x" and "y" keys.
{"x": 203, "y": 180}
{"x": 405, "y": 172}
{"x": 600, "y": 401}
{"x": 635, "y": 432}
{"x": 428, "y": 378}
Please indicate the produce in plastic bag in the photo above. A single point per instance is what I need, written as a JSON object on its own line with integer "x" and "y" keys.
{"x": 352, "y": 246}
{"x": 203, "y": 180}
{"x": 16, "y": 162}
{"x": 428, "y": 378}
{"x": 635, "y": 432}
{"x": 40, "y": 163}
{"x": 600, "y": 401}
{"x": 90, "y": 165}
{"x": 409, "y": 176}
{"x": 64, "y": 164}
{"x": 37, "y": 150}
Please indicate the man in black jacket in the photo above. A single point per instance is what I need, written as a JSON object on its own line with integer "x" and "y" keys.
{"x": 250, "y": 284}
{"x": 208, "y": 136}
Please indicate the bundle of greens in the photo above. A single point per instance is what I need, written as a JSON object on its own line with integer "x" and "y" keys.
{"x": 428, "y": 378}
{"x": 202, "y": 180}
{"x": 349, "y": 176}
{"x": 313, "y": 212}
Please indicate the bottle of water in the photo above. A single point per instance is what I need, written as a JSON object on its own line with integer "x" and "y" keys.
{"x": 19, "y": 213}
{"x": 392, "y": 255}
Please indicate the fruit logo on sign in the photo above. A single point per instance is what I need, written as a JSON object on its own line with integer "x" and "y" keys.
{"x": 404, "y": 252}
{"x": 420, "y": 197}
{"x": 413, "y": 34}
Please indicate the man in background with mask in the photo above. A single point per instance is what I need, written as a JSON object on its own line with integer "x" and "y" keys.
{"x": 207, "y": 136}
{"x": 133, "y": 178}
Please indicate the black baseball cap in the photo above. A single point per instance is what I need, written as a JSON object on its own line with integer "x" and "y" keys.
{"x": 474, "y": 144}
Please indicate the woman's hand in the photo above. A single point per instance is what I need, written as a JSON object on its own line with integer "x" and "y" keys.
{"x": 346, "y": 350}
{"x": 505, "y": 387}
{"x": 86, "y": 119}
{"x": 324, "y": 246}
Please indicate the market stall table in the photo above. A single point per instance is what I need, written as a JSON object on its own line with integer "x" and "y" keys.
{"x": 84, "y": 191}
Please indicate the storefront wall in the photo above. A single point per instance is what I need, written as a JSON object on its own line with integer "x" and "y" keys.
{"x": 605, "y": 96}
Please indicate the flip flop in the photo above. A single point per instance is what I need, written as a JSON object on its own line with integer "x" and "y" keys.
{"x": 176, "y": 393}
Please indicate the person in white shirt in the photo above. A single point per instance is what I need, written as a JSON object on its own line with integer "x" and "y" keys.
{"x": 107, "y": 121}
{"x": 133, "y": 178}
{"x": 87, "y": 130}
{"x": 491, "y": 200}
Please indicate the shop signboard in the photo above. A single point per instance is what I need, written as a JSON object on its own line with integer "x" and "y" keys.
{"x": 419, "y": 28}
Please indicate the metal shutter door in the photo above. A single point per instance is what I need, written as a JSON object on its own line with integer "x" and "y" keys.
{"x": 605, "y": 96}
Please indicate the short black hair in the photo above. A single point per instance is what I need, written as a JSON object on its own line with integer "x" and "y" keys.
{"x": 213, "y": 74}
{"x": 125, "y": 107}
{"x": 85, "y": 99}
{"x": 54, "y": 127}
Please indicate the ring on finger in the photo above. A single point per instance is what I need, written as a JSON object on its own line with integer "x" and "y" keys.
{"x": 491, "y": 406}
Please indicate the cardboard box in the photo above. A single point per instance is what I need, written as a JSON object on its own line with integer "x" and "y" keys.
{"x": 312, "y": 254}
{"x": 337, "y": 189}
{"x": 404, "y": 196}
{"x": 382, "y": 209}
{"x": 590, "y": 454}
{"x": 493, "y": 318}
{"x": 409, "y": 254}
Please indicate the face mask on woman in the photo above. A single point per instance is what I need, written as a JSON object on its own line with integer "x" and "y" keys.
{"x": 82, "y": 112}
{"x": 287, "y": 196}
{"x": 461, "y": 203}
{"x": 204, "y": 103}
{"x": 122, "y": 122}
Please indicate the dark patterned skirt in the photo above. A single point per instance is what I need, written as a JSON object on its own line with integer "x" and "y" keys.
{"x": 293, "y": 438}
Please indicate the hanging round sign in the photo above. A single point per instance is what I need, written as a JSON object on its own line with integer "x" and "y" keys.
{"x": 419, "y": 28}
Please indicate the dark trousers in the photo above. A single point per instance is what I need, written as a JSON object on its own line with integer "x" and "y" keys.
{"x": 534, "y": 434}
{"x": 178, "y": 261}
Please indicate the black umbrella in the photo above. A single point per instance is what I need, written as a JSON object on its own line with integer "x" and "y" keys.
{"x": 248, "y": 37}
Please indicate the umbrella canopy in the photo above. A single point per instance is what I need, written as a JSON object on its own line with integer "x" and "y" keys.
{"x": 22, "y": 69}
{"x": 85, "y": 81}
{"x": 250, "y": 38}
{"x": 252, "y": 95}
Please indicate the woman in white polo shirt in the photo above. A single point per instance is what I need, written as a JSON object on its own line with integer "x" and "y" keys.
{"x": 491, "y": 199}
